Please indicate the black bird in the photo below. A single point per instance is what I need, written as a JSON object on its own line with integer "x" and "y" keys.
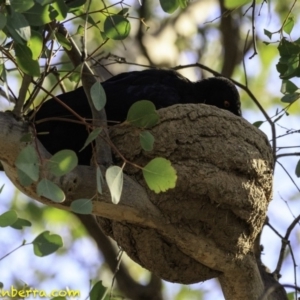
{"x": 163, "y": 87}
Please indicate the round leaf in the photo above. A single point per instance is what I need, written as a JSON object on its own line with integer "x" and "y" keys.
{"x": 114, "y": 179}
{"x": 28, "y": 162}
{"x": 143, "y": 114}
{"x": 169, "y": 6}
{"x": 8, "y": 218}
{"x": 116, "y": 27}
{"x": 146, "y": 140}
{"x": 46, "y": 244}
{"x": 160, "y": 175}
{"x": 50, "y": 190}
{"x": 62, "y": 162}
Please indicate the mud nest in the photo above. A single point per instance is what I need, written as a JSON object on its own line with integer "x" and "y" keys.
{"x": 224, "y": 167}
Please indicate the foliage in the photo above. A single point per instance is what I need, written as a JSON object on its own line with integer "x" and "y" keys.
{"x": 31, "y": 46}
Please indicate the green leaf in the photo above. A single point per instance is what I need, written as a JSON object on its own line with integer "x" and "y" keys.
{"x": 82, "y": 206}
{"x": 114, "y": 180}
{"x": 98, "y": 291}
{"x": 20, "y": 223}
{"x": 183, "y": 3}
{"x": 143, "y": 114}
{"x": 63, "y": 41}
{"x": 24, "y": 179}
{"x": 278, "y": 118}
{"x": 160, "y": 175}
{"x": 25, "y": 61}
{"x": 8, "y": 218}
{"x": 28, "y": 162}
{"x": 169, "y": 6}
{"x": 231, "y": 4}
{"x": 289, "y": 98}
{"x": 26, "y": 138}
{"x": 50, "y": 190}
{"x": 62, "y": 162}
{"x": 268, "y": 33}
{"x": 116, "y": 27}
{"x": 76, "y": 3}
{"x": 98, "y": 95}
{"x": 288, "y": 87}
{"x": 1, "y": 188}
{"x": 18, "y": 23}
{"x": 21, "y": 5}
{"x": 35, "y": 44}
{"x": 291, "y": 296}
{"x": 39, "y": 15}
{"x": 76, "y": 74}
{"x": 3, "y": 21}
{"x": 146, "y": 140}
{"x": 61, "y": 8}
{"x": 46, "y": 244}
{"x": 257, "y": 124}
{"x": 289, "y": 24}
{"x": 297, "y": 171}
{"x": 92, "y": 136}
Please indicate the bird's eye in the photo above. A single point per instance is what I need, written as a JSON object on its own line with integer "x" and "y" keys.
{"x": 226, "y": 104}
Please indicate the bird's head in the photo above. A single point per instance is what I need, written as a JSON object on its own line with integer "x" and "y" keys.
{"x": 220, "y": 92}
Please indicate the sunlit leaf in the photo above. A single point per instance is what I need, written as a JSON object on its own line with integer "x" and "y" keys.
{"x": 61, "y": 8}
{"x": 82, "y": 206}
{"x": 98, "y": 95}
{"x": 143, "y": 114}
{"x": 289, "y": 24}
{"x": 39, "y": 15}
{"x": 50, "y": 190}
{"x": 35, "y": 44}
{"x": 62, "y": 162}
{"x": 8, "y": 218}
{"x": 25, "y": 61}
{"x": 160, "y": 175}
{"x": 116, "y": 27}
{"x": 114, "y": 179}
{"x": 231, "y": 4}
{"x": 28, "y": 162}
{"x": 46, "y": 243}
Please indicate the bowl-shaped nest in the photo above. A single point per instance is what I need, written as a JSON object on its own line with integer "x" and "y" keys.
{"x": 224, "y": 167}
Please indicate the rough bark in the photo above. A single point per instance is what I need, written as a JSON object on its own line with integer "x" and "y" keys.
{"x": 203, "y": 228}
